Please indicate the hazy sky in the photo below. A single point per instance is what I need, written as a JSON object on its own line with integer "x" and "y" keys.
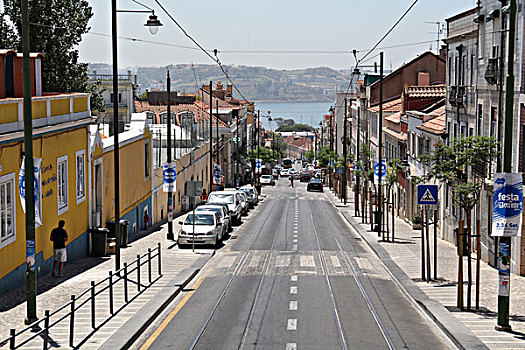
{"x": 330, "y": 25}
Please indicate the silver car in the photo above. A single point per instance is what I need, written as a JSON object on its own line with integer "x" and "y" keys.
{"x": 203, "y": 228}
{"x": 221, "y": 211}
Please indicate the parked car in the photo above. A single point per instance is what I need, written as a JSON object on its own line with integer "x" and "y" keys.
{"x": 221, "y": 211}
{"x": 315, "y": 184}
{"x": 226, "y": 210}
{"x": 244, "y": 201}
{"x": 253, "y": 196}
{"x": 305, "y": 177}
{"x": 208, "y": 229}
{"x": 232, "y": 199}
{"x": 267, "y": 180}
{"x": 285, "y": 172}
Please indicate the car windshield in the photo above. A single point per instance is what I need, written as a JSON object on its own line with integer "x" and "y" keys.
{"x": 200, "y": 219}
{"x": 217, "y": 210}
{"x": 315, "y": 181}
{"x": 265, "y": 176}
{"x": 248, "y": 190}
{"x": 221, "y": 198}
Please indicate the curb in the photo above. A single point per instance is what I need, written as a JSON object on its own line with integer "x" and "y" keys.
{"x": 130, "y": 331}
{"x": 456, "y": 331}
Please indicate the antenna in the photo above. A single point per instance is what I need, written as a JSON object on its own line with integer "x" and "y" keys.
{"x": 440, "y": 30}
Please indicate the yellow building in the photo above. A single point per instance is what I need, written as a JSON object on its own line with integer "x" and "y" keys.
{"x": 61, "y": 141}
{"x": 136, "y": 177}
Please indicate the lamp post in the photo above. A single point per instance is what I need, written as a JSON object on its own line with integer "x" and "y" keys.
{"x": 153, "y": 24}
{"x": 170, "y": 235}
{"x": 29, "y": 173}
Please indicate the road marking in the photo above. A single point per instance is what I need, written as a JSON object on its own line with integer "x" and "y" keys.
{"x": 293, "y": 290}
{"x": 291, "y": 346}
{"x": 292, "y": 324}
{"x": 293, "y": 278}
{"x": 254, "y": 261}
{"x": 294, "y": 241}
{"x": 295, "y": 231}
{"x": 335, "y": 262}
{"x": 294, "y": 247}
{"x": 364, "y": 264}
{"x": 227, "y": 261}
{"x": 282, "y": 260}
{"x": 293, "y": 305}
{"x": 295, "y": 236}
{"x": 306, "y": 261}
{"x": 168, "y": 319}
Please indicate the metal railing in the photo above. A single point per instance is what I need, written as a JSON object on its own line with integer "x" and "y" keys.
{"x": 89, "y": 295}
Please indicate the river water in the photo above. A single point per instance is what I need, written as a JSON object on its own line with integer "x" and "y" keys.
{"x": 302, "y": 112}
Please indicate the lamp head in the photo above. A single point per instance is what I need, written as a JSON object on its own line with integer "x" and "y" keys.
{"x": 153, "y": 23}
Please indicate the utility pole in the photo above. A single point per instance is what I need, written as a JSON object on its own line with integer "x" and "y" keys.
{"x": 29, "y": 173}
{"x": 237, "y": 149}
{"x": 505, "y": 242}
{"x": 211, "y": 137}
{"x": 345, "y": 168}
{"x": 258, "y": 140}
{"x": 171, "y": 236}
{"x": 357, "y": 178}
{"x": 380, "y": 147}
{"x": 217, "y": 129}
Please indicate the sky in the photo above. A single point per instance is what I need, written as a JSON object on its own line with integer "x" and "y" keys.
{"x": 270, "y": 25}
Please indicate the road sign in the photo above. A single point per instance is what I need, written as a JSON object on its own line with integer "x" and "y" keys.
{"x": 217, "y": 172}
{"x": 427, "y": 195}
{"x": 339, "y": 171}
{"x": 169, "y": 175}
{"x": 508, "y": 205}
{"x": 258, "y": 163}
{"x": 377, "y": 178}
{"x": 193, "y": 188}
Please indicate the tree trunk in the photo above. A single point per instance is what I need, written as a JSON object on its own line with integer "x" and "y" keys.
{"x": 478, "y": 257}
{"x": 460, "y": 264}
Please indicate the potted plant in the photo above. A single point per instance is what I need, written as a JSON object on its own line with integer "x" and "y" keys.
{"x": 416, "y": 222}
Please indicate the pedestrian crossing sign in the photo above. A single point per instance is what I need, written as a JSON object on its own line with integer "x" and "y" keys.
{"x": 427, "y": 194}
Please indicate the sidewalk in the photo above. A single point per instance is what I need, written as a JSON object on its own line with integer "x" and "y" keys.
{"x": 406, "y": 254}
{"x": 178, "y": 268}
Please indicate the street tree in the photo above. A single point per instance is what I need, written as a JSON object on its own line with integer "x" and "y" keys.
{"x": 265, "y": 154}
{"x": 391, "y": 178}
{"x": 56, "y": 30}
{"x": 310, "y": 156}
{"x": 324, "y": 155}
{"x": 462, "y": 165}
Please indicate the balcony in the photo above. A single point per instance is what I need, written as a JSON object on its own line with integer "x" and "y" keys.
{"x": 458, "y": 96}
{"x": 47, "y": 110}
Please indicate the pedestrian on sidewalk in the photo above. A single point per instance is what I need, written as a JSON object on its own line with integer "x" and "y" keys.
{"x": 204, "y": 196}
{"x": 59, "y": 238}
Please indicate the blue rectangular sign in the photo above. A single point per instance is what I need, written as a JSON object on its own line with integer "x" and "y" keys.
{"x": 427, "y": 194}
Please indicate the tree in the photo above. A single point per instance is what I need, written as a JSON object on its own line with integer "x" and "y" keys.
{"x": 391, "y": 178}
{"x": 294, "y": 128}
{"x": 265, "y": 154}
{"x": 324, "y": 156}
{"x": 310, "y": 156}
{"x": 56, "y": 30}
{"x": 463, "y": 166}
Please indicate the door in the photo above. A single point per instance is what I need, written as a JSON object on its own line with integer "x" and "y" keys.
{"x": 97, "y": 213}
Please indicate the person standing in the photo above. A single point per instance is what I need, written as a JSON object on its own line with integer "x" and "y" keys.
{"x": 59, "y": 238}
{"x": 291, "y": 181}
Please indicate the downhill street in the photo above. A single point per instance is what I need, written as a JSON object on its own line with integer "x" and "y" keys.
{"x": 293, "y": 276}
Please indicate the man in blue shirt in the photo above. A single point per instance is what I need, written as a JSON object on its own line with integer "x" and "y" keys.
{"x": 59, "y": 238}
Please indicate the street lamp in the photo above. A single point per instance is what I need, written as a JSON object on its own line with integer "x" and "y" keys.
{"x": 153, "y": 24}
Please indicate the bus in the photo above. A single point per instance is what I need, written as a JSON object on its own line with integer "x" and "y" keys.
{"x": 287, "y": 163}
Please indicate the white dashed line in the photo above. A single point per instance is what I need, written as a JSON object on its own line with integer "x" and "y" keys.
{"x": 295, "y": 236}
{"x": 292, "y": 324}
{"x": 293, "y": 290}
{"x": 294, "y": 247}
{"x": 295, "y": 231}
{"x": 291, "y": 346}
{"x": 293, "y": 278}
{"x": 294, "y": 241}
{"x": 293, "y": 305}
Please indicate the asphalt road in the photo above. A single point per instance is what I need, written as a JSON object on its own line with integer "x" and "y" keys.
{"x": 293, "y": 276}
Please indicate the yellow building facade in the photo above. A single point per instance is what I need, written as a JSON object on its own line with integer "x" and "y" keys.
{"x": 61, "y": 141}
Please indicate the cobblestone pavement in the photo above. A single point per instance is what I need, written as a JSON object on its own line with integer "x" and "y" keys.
{"x": 406, "y": 253}
{"x": 54, "y": 292}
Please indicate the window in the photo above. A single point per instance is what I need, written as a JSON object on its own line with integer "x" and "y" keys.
{"x": 81, "y": 175}
{"x": 7, "y": 210}
{"x": 62, "y": 195}
{"x": 146, "y": 159}
{"x": 480, "y": 118}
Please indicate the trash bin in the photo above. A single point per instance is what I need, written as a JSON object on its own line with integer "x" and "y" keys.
{"x": 99, "y": 237}
{"x": 123, "y": 231}
{"x": 124, "y": 224}
{"x": 377, "y": 217}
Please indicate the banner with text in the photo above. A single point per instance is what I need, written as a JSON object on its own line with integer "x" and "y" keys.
{"x": 508, "y": 205}
{"x": 37, "y": 162}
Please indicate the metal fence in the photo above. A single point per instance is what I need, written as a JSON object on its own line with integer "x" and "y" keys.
{"x": 105, "y": 290}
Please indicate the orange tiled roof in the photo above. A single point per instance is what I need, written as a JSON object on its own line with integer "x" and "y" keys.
{"x": 427, "y": 91}
{"x": 393, "y": 106}
{"x": 394, "y": 118}
{"x": 435, "y": 125}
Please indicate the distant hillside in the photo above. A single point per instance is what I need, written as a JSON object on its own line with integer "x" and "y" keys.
{"x": 256, "y": 83}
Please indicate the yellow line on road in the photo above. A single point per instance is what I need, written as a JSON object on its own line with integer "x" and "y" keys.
{"x": 168, "y": 319}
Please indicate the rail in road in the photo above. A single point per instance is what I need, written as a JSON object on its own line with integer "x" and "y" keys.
{"x": 235, "y": 275}
{"x": 355, "y": 276}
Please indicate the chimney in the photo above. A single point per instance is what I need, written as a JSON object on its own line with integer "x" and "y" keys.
{"x": 230, "y": 90}
{"x": 443, "y": 52}
{"x": 423, "y": 79}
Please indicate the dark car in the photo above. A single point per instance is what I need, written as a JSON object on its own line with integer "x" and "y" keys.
{"x": 305, "y": 177}
{"x": 315, "y": 184}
